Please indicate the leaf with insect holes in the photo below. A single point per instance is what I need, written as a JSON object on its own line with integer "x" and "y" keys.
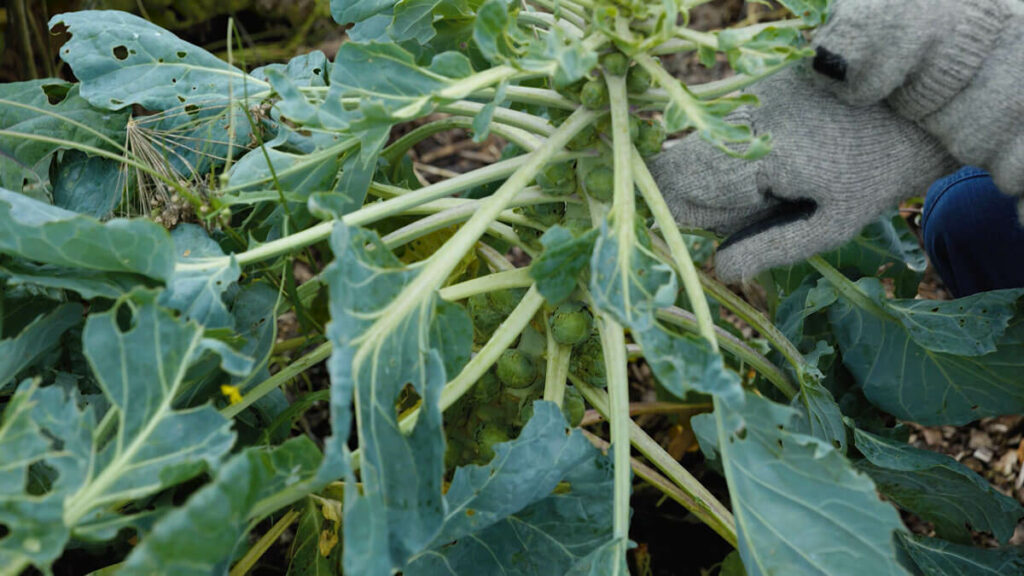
{"x": 757, "y": 54}
{"x": 498, "y": 514}
{"x": 54, "y": 110}
{"x": 835, "y": 524}
{"x": 122, "y": 59}
{"x": 938, "y": 489}
{"x": 386, "y": 340}
{"x": 36, "y": 231}
{"x": 904, "y": 359}
{"x": 211, "y": 524}
{"x": 629, "y": 282}
{"x": 199, "y": 292}
{"x": 139, "y": 354}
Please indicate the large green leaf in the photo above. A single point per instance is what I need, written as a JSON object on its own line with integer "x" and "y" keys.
{"x": 630, "y": 283}
{"x": 51, "y": 109}
{"x": 558, "y": 269}
{"x": 89, "y": 185}
{"x": 139, "y": 354}
{"x": 20, "y": 351}
{"x": 903, "y": 367}
{"x": 199, "y": 292}
{"x": 800, "y": 506}
{"x": 507, "y": 517}
{"x": 210, "y": 526}
{"x": 934, "y": 557}
{"x": 938, "y": 489}
{"x": 42, "y": 233}
{"x": 382, "y": 344}
{"x": 122, "y": 59}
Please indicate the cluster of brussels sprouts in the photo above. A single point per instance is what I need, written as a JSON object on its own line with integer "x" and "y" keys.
{"x": 501, "y": 403}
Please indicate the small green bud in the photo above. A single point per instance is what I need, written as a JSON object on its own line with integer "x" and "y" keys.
{"x": 599, "y": 183}
{"x": 594, "y": 94}
{"x": 615, "y": 63}
{"x": 516, "y": 369}
{"x": 638, "y": 80}
{"x": 571, "y": 323}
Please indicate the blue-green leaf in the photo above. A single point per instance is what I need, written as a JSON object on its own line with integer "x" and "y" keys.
{"x": 631, "y": 285}
{"x": 565, "y": 256}
{"x": 88, "y": 185}
{"x": 21, "y": 350}
{"x": 938, "y": 489}
{"x": 211, "y": 524}
{"x": 199, "y": 292}
{"x": 902, "y": 371}
{"x": 800, "y": 507}
{"x": 121, "y": 59}
{"x": 935, "y": 557}
{"x": 51, "y": 235}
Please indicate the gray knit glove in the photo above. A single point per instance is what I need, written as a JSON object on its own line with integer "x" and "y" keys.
{"x": 956, "y": 67}
{"x": 832, "y": 170}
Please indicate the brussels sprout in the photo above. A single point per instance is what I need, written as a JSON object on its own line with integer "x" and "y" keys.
{"x": 583, "y": 139}
{"x": 572, "y": 91}
{"x": 571, "y": 323}
{"x": 558, "y": 179}
{"x": 516, "y": 369}
{"x": 615, "y": 63}
{"x": 652, "y": 136}
{"x": 599, "y": 183}
{"x": 487, "y": 437}
{"x": 638, "y": 80}
{"x": 487, "y": 388}
{"x": 587, "y": 361}
{"x": 548, "y": 214}
{"x": 634, "y": 128}
{"x": 573, "y": 406}
{"x": 594, "y": 94}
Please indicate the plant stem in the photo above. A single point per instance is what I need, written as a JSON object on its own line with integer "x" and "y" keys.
{"x": 735, "y": 346}
{"x": 531, "y": 95}
{"x": 522, "y": 120}
{"x": 677, "y": 248}
{"x": 557, "y": 370}
{"x": 756, "y": 319}
{"x": 503, "y": 337}
{"x": 263, "y": 544}
{"x": 394, "y": 152}
{"x": 701, "y": 502}
{"x": 516, "y": 278}
{"x": 641, "y": 408}
{"x": 846, "y": 288}
{"x": 300, "y": 365}
{"x": 449, "y": 217}
{"x": 613, "y": 338}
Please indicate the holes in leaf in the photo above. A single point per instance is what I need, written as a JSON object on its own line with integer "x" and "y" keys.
{"x": 125, "y": 318}
{"x": 407, "y": 399}
{"x": 191, "y": 109}
{"x": 837, "y": 444}
{"x": 174, "y": 80}
{"x": 120, "y": 52}
{"x": 742, "y": 433}
{"x": 116, "y": 102}
{"x": 56, "y": 93}
{"x": 316, "y": 71}
{"x": 182, "y": 54}
{"x": 4, "y": 531}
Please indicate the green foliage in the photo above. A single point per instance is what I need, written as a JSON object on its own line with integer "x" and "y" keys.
{"x": 141, "y": 375}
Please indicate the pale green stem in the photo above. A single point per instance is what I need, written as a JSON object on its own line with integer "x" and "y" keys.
{"x": 846, "y": 288}
{"x": 733, "y": 345}
{"x": 522, "y": 120}
{"x": 515, "y": 278}
{"x": 300, "y": 365}
{"x": 570, "y": 11}
{"x": 677, "y": 248}
{"x": 557, "y": 370}
{"x": 613, "y": 338}
{"x": 701, "y": 503}
{"x": 449, "y": 217}
{"x": 263, "y": 544}
{"x": 546, "y": 21}
{"x": 531, "y": 95}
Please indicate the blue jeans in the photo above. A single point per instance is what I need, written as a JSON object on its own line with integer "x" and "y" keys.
{"x": 972, "y": 235}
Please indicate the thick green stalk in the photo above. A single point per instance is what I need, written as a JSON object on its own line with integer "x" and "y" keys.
{"x": 613, "y": 338}
{"x": 700, "y": 501}
{"x": 846, "y": 288}
{"x": 319, "y": 354}
{"x": 557, "y": 370}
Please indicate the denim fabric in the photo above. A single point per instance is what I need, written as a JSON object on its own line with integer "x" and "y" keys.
{"x": 972, "y": 235}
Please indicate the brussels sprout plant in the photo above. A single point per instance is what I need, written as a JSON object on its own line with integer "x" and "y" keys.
{"x": 156, "y": 213}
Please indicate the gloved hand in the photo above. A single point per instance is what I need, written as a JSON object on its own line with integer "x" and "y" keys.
{"x": 956, "y": 67}
{"x": 832, "y": 170}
